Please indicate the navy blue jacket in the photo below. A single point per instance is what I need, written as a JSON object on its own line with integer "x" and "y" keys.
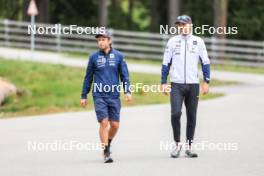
{"x": 106, "y": 70}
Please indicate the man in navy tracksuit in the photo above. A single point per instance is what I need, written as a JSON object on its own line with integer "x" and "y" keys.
{"x": 181, "y": 57}
{"x": 105, "y": 68}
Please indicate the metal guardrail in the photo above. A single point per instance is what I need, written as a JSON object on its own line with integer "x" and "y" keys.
{"x": 141, "y": 45}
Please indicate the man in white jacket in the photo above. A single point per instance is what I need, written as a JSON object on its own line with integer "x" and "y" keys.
{"x": 181, "y": 57}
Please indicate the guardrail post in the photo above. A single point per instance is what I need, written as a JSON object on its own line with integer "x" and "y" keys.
{"x": 263, "y": 50}
{"x": 214, "y": 54}
{"x": 58, "y": 41}
{"x": 164, "y": 41}
{"x": 111, "y": 31}
{"x": 6, "y": 23}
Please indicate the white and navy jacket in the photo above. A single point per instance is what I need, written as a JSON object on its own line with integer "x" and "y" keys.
{"x": 182, "y": 54}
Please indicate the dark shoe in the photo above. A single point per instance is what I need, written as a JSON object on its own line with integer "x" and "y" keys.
{"x": 107, "y": 157}
{"x": 191, "y": 154}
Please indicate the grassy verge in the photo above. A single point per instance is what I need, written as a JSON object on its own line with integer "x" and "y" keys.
{"x": 224, "y": 67}
{"x": 219, "y": 67}
{"x": 48, "y": 88}
{"x": 241, "y": 69}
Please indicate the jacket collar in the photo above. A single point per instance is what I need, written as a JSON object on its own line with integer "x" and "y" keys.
{"x": 186, "y": 36}
{"x": 110, "y": 51}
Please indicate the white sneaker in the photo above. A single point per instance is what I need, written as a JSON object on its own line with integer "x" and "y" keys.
{"x": 176, "y": 152}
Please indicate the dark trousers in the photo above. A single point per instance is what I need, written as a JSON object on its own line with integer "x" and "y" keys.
{"x": 189, "y": 93}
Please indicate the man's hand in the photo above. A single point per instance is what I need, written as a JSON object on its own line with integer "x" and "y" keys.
{"x": 128, "y": 97}
{"x": 205, "y": 88}
{"x": 164, "y": 88}
{"x": 83, "y": 102}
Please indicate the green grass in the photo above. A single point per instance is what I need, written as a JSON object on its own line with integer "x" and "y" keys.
{"x": 223, "y": 67}
{"x": 241, "y": 69}
{"x": 219, "y": 67}
{"x": 77, "y": 55}
{"x": 45, "y": 88}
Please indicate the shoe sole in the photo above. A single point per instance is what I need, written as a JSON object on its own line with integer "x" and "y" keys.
{"x": 175, "y": 156}
{"x": 110, "y": 160}
{"x": 187, "y": 156}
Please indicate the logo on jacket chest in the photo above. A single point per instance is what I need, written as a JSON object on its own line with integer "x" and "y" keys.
{"x": 193, "y": 46}
{"x": 101, "y": 61}
{"x": 177, "y": 47}
{"x": 112, "y": 59}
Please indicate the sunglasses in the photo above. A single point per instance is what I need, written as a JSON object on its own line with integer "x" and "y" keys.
{"x": 185, "y": 18}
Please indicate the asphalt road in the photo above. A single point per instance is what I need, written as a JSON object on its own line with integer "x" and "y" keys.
{"x": 235, "y": 119}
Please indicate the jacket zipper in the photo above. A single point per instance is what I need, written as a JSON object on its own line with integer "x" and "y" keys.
{"x": 185, "y": 61}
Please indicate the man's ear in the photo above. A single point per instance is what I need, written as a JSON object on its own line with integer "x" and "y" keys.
{"x": 110, "y": 41}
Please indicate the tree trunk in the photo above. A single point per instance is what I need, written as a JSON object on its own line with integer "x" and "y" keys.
{"x": 220, "y": 15}
{"x": 43, "y": 7}
{"x": 154, "y": 16}
{"x": 130, "y": 9}
{"x": 220, "y": 20}
{"x": 174, "y": 11}
{"x": 103, "y": 12}
{"x": 25, "y": 16}
{"x": 114, "y": 3}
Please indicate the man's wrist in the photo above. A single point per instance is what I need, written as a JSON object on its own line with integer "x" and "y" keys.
{"x": 84, "y": 97}
{"x": 207, "y": 81}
